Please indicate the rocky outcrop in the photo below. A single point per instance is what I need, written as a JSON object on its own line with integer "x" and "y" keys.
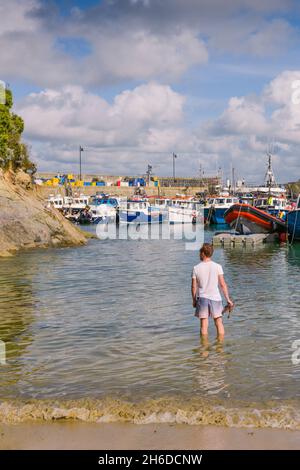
{"x": 25, "y": 222}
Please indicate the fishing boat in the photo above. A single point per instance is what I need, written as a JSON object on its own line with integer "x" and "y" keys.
{"x": 68, "y": 203}
{"x": 76, "y": 203}
{"x": 184, "y": 211}
{"x": 104, "y": 209}
{"x": 293, "y": 223}
{"x": 56, "y": 201}
{"x": 277, "y": 206}
{"x": 139, "y": 211}
{"x": 160, "y": 205}
{"x": 216, "y": 209}
{"x": 161, "y": 202}
{"x": 246, "y": 199}
{"x": 248, "y": 219}
{"x": 84, "y": 217}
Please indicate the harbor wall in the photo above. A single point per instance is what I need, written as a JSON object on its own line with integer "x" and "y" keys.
{"x": 46, "y": 191}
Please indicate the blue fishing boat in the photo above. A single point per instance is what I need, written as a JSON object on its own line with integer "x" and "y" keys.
{"x": 217, "y": 208}
{"x": 293, "y": 222}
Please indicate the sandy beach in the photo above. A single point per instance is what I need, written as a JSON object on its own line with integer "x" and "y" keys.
{"x": 74, "y": 435}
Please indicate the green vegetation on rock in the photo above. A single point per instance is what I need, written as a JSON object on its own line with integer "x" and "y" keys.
{"x": 14, "y": 153}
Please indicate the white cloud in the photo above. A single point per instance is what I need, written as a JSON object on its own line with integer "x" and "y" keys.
{"x": 72, "y": 114}
{"x": 280, "y": 90}
{"x": 143, "y": 55}
{"x": 27, "y": 48}
{"x": 283, "y": 92}
{"x": 243, "y": 116}
{"x": 275, "y": 113}
{"x": 146, "y": 124}
{"x": 250, "y": 123}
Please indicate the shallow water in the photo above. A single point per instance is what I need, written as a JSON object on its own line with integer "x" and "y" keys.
{"x": 114, "y": 319}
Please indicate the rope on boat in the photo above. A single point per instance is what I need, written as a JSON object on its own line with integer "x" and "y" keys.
{"x": 210, "y": 213}
{"x": 238, "y": 218}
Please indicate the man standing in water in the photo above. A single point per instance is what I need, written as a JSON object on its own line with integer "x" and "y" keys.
{"x": 207, "y": 277}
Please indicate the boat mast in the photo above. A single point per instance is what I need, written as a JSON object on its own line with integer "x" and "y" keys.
{"x": 270, "y": 178}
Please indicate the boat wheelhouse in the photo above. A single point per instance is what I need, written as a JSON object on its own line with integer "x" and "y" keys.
{"x": 217, "y": 207}
{"x": 104, "y": 209}
{"x": 184, "y": 211}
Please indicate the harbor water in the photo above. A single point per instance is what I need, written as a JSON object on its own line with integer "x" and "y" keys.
{"x": 106, "y": 332}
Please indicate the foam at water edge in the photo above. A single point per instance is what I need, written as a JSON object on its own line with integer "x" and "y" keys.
{"x": 193, "y": 412}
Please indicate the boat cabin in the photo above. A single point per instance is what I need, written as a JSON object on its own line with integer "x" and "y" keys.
{"x": 271, "y": 202}
{"x": 223, "y": 201}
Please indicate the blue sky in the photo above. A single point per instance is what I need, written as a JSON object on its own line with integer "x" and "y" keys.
{"x": 134, "y": 80}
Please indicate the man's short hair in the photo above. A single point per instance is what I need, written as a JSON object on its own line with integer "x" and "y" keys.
{"x": 207, "y": 250}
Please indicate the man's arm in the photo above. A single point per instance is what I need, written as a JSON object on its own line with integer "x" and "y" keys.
{"x": 224, "y": 288}
{"x": 194, "y": 291}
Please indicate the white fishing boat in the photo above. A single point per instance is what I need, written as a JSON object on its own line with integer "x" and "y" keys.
{"x": 56, "y": 201}
{"x": 70, "y": 203}
{"x": 161, "y": 205}
{"x": 184, "y": 211}
{"x": 140, "y": 211}
{"x": 76, "y": 203}
{"x": 104, "y": 209}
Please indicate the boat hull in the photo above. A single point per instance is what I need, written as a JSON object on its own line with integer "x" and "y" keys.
{"x": 217, "y": 217}
{"x": 150, "y": 216}
{"x": 182, "y": 215}
{"x": 293, "y": 224}
{"x": 206, "y": 213}
{"x": 244, "y": 217}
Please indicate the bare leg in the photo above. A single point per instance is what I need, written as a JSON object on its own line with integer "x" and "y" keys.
{"x": 204, "y": 327}
{"x": 220, "y": 328}
{"x": 204, "y": 350}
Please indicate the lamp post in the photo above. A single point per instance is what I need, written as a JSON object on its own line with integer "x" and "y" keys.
{"x": 174, "y": 158}
{"x": 80, "y": 150}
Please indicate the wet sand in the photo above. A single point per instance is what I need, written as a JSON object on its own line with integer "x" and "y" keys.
{"x": 74, "y": 435}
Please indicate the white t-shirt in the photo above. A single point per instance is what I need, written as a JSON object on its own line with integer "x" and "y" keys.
{"x": 207, "y": 275}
